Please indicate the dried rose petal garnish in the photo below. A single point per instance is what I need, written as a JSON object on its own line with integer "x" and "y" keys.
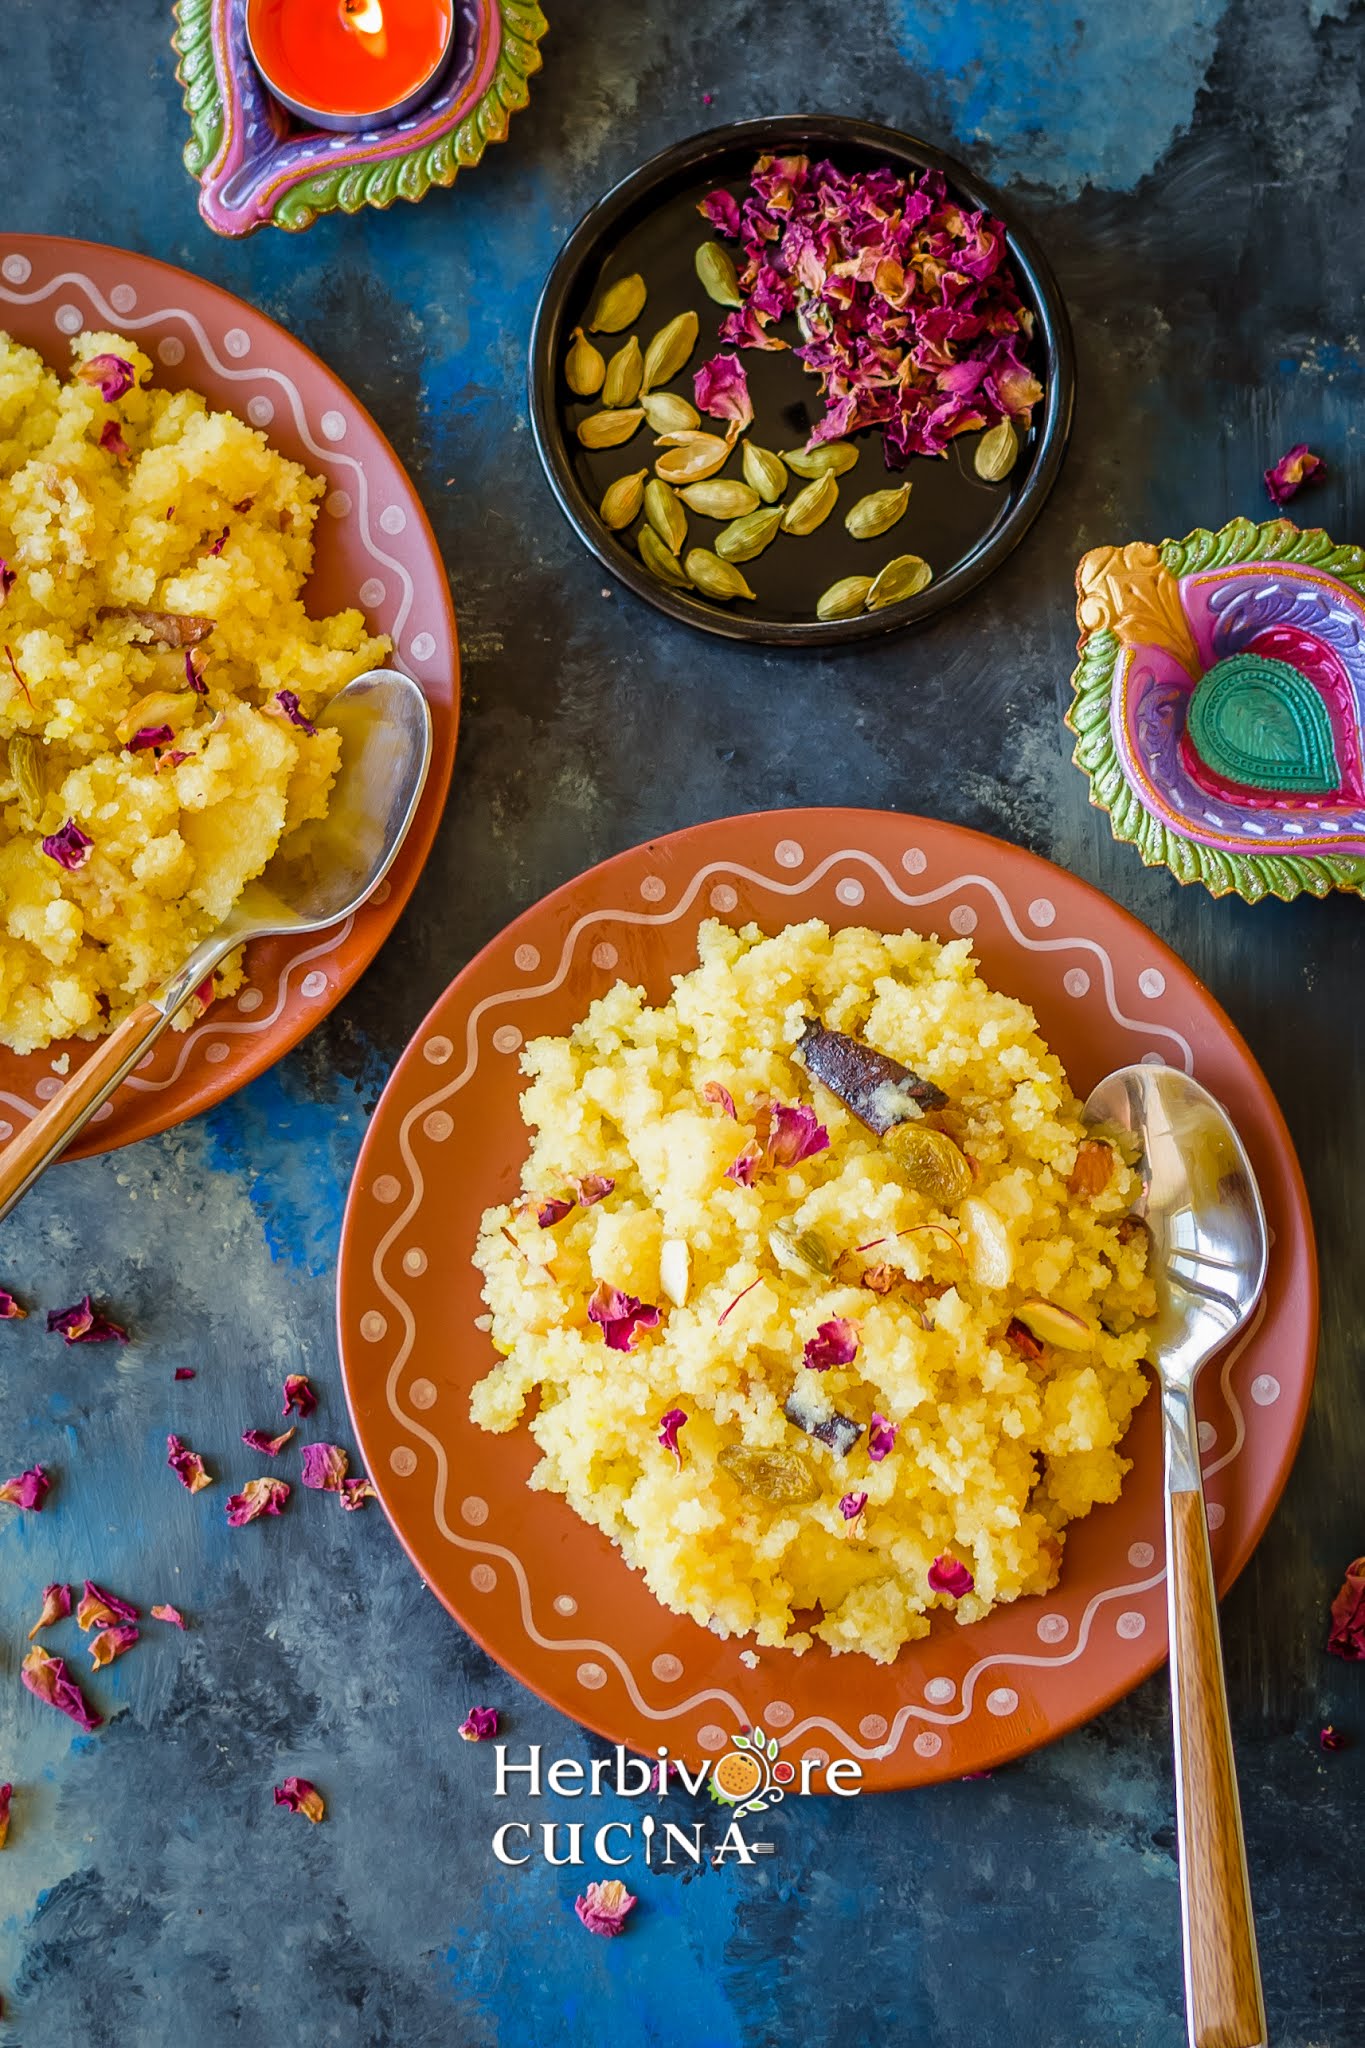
{"x": 746, "y": 1166}
{"x": 603, "y": 1907}
{"x": 355, "y": 1492}
{"x": 113, "y": 443}
{"x": 163, "y": 1612}
{"x": 1347, "y": 1637}
{"x": 268, "y": 1446}
{"x": 56, "y": 1607}
{"x": 220, "y": 543}
{"x": 852, "y": 1505}
{"x": 834, "y": 1343}
{"x": 723, "y": 1099}
{"x": 258, "y": 1497}
{"x": 11, "y": 1311}
{"x": 150, "y": 736}
{"x": 552, "y": 1211}
{"x": 324, "y": 1467}
{"x": 289, "y": 705}
{"x": 6, "y": 1792}
{"x": 620, "y": 1316}
{"x": 794, "y": 1133}
{"x": 301, "y": 1796}
{"x": 99, "y": 1609}
{"x": 111, "y": 1643}
{"x": 299, "y": 1398}
{"x": 187, "y": 1465}
{"x": 85, "y": 1324}
{"x": 68, "y": 846}
{"x": 946, "y": 1575}
{"x": 192, "y": 675}
{"x": 593, "y": 1187}
{"x": 8, "y": 579}
{"x": 184, "y": 1372}
{"x": 479, "y": 1724}
{"x": 1328, "y": 1738}
{"x": 47, "y": 1680}
{"x": 113, "y": 375}
{"x": 1299, "y": 467}
{"x": 669, "y": 1425}
{"x": 881, "y": 1438}
{"x": 28, "y": 1490}
{"x": 722, "y": 389}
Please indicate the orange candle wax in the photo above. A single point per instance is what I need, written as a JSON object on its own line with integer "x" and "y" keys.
{"x": 350, "y": 63}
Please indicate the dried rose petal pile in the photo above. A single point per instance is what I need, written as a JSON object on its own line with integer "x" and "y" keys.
{"x": 908, "y": 309}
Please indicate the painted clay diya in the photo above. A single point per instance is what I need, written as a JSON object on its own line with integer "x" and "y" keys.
{"x": 1219, "y": 706}
{"x": 256, "y": 166}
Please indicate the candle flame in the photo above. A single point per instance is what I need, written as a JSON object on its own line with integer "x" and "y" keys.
{"x": 366, "y": 17}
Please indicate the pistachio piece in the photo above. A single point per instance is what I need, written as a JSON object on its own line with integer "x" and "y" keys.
{"x": 801, "y": 1251}
{"x": 717, "y": 273}
{"x": 714, "y": 578}
{"x": 722, "y": 498}
{"x": 692, "y": 458}
{"x": 620, "y": 305}
{"x": 665, "y": 515}
{"x": 811, "y": 506}
{"x": 609, "y": 429}
{"x": 764, "y": 472}
{"x": 667, "y": 413}
{"x": 844, "y": 599}
{"x": 670, "y": 349}
{"x": 26, "y": 770}
{"x": 877, "y": 513}
{"x": 996, "y": 453}
{"x": 900, "y": 579}
{"x": 829, "y": 458}
{"x": 622, "y": 500}
{"x": 621, "y": 385}
{"x": 660, "y": 562}
{"x": 584, "y": 366}
{"x": 744, "y": 538}
{"x": 1051, "y": 1324}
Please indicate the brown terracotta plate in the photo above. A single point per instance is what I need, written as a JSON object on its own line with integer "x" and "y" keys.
{"x": 374, "y": 549}
{"x": 551, "y": 1598}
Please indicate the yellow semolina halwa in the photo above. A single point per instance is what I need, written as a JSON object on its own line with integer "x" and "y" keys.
{"x": 141, "y": 532}
{"x": 979, "y": 1435}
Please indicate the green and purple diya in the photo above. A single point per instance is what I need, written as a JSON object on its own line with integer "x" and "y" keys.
{"x": 1219, "y": 705}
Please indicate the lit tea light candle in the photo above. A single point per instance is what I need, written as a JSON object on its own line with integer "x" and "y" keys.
{"x": 351, "y": 63}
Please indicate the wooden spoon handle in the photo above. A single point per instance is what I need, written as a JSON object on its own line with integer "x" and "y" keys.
{"x": 1222, "y": 1976}
{"x": 47, "y": 1134}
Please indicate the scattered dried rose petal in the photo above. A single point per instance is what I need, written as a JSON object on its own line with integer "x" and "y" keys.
{"x": 220, "y": 543}
{"x": 187, "y": 1465}
{"x": 193, "y": 676}
{"x": 620, "y": 1316}
{"x": 1021, "y": 1339}
{"x": 268, "y": 1446}
{"x": 258, "y": 1497}
{"x": 1328, "y": 1738}
{"x": 603, "y": 1907}
{"x": 324, "y": 1467}
{"x": 46, "y": 1678}
{"x": 289, "y": 705}
{"x": 721, "y": 388}
{"x": 56, "y": 1607}
{"x": 8, "y": 579}
{"x": 946, "y": 1575}
{"x": 6, "y": 1792}
{"x": 299, "y": 1398}
{"x": 746, "y": 1166}
{"x": 795, "y": 1133}
{"x": 68, "y": 846}
{"x": 28, "y": 1490}
{"x": 85, "y": 1324}
{"x": 593, "y": 1187}
{"x": 243, "y": 506}
{"x": 479, "y": 1724}
{"x": 355, "y": 1492}
{"x": 113, "y": 374}
{"x": 150, "y": 736}
{"x": 852, "y": 1505}
{"x": 111, "y": 1643}
{"x": 552, "y": 1211}
{"x": 1299, "y": 467}
{"x": 99, "y": 1609}
{"x": 184, "y": 1372}
{"x": 163, "y": 1612}
{"x": 723, "y": 1099}
{"x": 834, "y": 1343}
{"x": 669, "y": 1425}
{"x": 113, "y": 443}
{"x": 301, "y": 1796}
{"x": 11, "y": 1311}
{"x": 881, "y": 1438}
{"x": 1347, "y": 1637}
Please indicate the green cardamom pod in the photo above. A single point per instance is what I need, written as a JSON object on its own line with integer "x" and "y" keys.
{"x": 997, "y": 452}
{"x": 844, "y": 599}
{"x": 764, "y": 472}
{"x": 609, "y": 429}
{"x": 665, "y": 515}
{"x": 811, "y": 506}
{"x": 692, "y": 458}
{"x": 622, "y": 500}
{"x": 877, "y": 513}
{"x": 584, "y": 366}
{"x": 713, "y": 577}
{"x": 26, "y": 768}
{"x": 801, "y": 1251}
{"x": 620, "y": 305}
{"x": 621, "y": 386}
{"x": 901, "y": 578}
{"x": 830, "y": 458}
{"x": 669, "y": 414}
{"x": 748, "y": 536}
{"x": 670, "y": 349}
{"x": 717, "y": 273}
{"x": 722, "y": 498}
{"x": 660, "y": 561}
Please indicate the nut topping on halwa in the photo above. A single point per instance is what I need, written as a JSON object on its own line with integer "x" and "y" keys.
{"x": 1094, "y": 1168}
{"x": 1054, "y": 1325}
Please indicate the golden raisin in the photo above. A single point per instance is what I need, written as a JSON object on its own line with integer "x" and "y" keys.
{"x": 784, "y": 1478}
{"x": 929, "y": 1162}
{"x": 1093, "y": 1170}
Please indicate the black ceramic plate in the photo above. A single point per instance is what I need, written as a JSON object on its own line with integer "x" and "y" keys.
{"x": 961, "y": 526}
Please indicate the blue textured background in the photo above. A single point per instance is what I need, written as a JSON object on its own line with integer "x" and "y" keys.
{"x": 1193, "y": 170}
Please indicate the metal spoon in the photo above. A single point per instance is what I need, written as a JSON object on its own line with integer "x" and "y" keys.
{"x": 319, "y": 874}
{"x": 1208, "y": 1260}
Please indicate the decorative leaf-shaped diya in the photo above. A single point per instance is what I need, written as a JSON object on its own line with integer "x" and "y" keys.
{"x": 257, "y": 165}
{"x": 1220, "y": 701}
